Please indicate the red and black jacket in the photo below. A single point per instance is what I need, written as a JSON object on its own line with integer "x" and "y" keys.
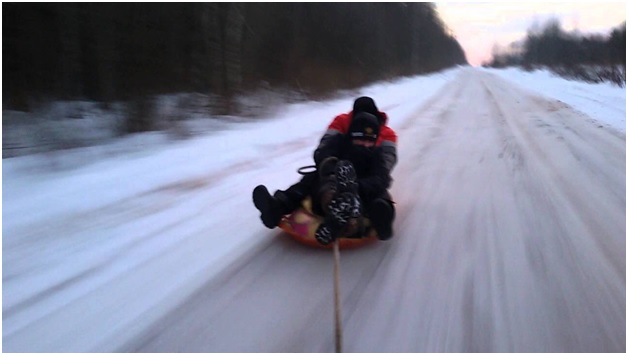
{"x": 375, "y": 178}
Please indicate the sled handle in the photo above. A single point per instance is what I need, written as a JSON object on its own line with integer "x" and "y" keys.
{"x": 308, "y": 169}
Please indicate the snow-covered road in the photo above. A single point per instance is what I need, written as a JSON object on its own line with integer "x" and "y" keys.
{"x": 510, "y": 237}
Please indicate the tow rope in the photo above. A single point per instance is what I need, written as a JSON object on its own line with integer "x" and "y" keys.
{"x": 337, "y": 312}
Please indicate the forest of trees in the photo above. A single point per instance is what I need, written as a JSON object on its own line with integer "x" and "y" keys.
{"x": 110, "y": 52}
{"x": 594, "y": 58}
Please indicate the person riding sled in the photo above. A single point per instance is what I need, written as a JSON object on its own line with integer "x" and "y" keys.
{"x": 354, "y": 161}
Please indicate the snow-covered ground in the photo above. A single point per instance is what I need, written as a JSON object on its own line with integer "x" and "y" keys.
{"x": 605, "y": 102}
{"x": 95, "y": 252}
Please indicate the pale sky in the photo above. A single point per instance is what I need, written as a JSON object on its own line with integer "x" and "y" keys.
{"x": 478, "y": 26}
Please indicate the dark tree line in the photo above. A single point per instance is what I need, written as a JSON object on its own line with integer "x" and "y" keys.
{"x": 129, "y": 51}
{"x": 589, "y": 57}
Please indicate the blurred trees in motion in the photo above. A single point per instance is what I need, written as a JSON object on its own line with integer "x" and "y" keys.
{"x": 110, "y": 52}
{"x": 594, "y": 58}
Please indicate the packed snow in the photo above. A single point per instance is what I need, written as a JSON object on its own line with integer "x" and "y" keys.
{"x": 100, "y": 242}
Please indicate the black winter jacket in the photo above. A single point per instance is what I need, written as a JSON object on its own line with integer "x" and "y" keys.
{"x": 373, "y": 168}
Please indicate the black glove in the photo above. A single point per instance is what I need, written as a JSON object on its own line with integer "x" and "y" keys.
{"x": 324, "y": 234}
{"x": 346, "y": 177}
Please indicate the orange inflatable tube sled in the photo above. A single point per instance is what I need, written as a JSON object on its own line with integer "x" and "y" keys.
{"x": 301, "y": 225}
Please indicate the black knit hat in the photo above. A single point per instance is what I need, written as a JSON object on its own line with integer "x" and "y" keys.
{"x": 364, "y": 126}
{"x": 366, "y": 104}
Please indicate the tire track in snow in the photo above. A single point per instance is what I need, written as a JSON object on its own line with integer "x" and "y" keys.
{"x": 590, "y": 151}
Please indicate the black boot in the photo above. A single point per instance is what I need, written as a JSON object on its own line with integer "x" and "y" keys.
{"x": 269, "y": 206}
{"x": 381, "y": 215}
{"x": 327, "y": 169}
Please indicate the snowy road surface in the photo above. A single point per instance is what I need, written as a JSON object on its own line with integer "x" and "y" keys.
{"x": 510, "y": 237}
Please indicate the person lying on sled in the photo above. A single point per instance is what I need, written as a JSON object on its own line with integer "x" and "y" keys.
{"x": 354, "y": 161}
